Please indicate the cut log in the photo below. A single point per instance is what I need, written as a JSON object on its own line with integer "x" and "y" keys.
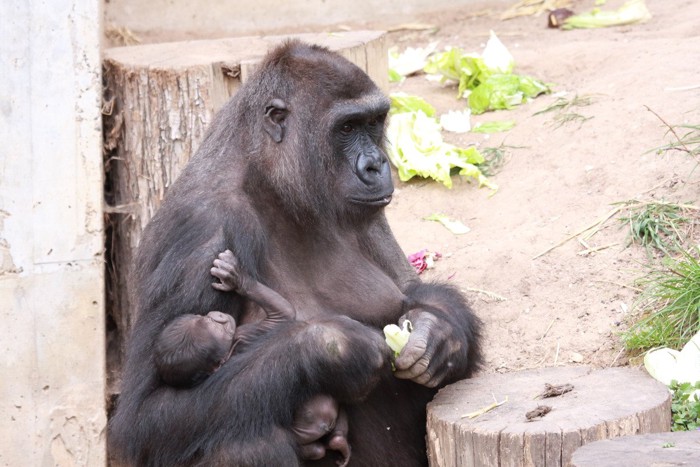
{"x": 158, "y": 102}
{"x": 602, "y": 404}
{"x": 652, "y": 450}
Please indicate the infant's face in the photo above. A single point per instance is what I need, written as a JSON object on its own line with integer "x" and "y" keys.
{"x": 221, "y": 326}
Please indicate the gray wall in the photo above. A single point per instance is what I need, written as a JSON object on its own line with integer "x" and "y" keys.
{"x": 213, "y": 18}
{"x": 51, "y": 240}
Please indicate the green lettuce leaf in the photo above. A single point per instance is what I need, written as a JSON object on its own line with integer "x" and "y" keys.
{"x": 416, "y": 148}
{"x": 493, "y": 127}
{"x": 402, "y": 102}
{"x": 633, "y": 11}
{"x": 504, "y": 91}
{"x": 488, "y": 80}
{"x": 453, "y": 225}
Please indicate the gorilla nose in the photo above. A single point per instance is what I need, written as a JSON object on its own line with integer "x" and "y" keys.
{"x": 371, "y": 167}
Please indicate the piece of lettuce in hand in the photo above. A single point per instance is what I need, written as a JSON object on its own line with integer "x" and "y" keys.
{"x": 493, "y": 127}
{"x": 402, "y": 102}
{"x": 396, "y": 337}
{"x": 633, "y": 11}
{"x": 416, "y": 148}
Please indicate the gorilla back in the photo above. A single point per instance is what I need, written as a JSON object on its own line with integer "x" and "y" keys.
{"x": 293, "y": 178}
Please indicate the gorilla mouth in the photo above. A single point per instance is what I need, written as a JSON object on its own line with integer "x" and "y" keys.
{"x": 379, "y": 202}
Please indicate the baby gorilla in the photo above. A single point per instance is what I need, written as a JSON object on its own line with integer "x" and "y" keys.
{"x": 192, "y": 347}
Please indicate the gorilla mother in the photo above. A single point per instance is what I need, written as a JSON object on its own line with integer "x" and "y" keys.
{"x": 293, "y": 177}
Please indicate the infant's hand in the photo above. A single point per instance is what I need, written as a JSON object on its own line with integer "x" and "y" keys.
{"x": 227, "y": 269}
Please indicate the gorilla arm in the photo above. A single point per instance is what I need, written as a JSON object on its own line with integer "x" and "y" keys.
{"x": 445, "y": 343}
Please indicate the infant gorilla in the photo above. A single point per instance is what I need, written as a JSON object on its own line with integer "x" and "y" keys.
{"x": 192, "y": 347}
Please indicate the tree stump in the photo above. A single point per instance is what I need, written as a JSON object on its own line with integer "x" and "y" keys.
{"x": 602, "y": 404}
{"x": 158, "y": 102}
{"x": 652, "y": 450}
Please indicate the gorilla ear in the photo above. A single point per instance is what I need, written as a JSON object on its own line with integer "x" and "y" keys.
{"x": 274, "y": 122}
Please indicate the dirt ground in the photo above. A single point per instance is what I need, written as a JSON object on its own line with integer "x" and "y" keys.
{"x": 563, "y": 307}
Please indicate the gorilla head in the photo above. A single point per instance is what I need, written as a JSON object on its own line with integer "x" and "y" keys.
{"x": 322, "y": 153}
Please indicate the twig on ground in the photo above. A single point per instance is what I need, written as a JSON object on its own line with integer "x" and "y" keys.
{"x": 491, "y": 295}
{"x": 592, "y": 226}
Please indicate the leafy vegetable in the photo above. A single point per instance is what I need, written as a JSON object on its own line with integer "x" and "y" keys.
{"x": 633, "y": 11}
{"x": 454, "y": 226}
{"x": 411, "y": 61}
{"x": 493, "y": 127}
{"x": 487, "y": 80}
{"x": 402, "y": 102}
{"x": 685, "y": 406}
{"x": 397, "y": 337}
{"x": 416, "y": 147}
{"x": 456, "y": 121}
{"x": 501, "y": 91}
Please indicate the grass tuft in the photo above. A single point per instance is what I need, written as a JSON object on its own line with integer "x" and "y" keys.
{"x": 669, "y": 304}
{"x": 658, "y": 225}
{"x": 563, "y": 109}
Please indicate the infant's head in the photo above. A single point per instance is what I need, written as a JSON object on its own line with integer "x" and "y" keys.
{"x": 191, "y": 347}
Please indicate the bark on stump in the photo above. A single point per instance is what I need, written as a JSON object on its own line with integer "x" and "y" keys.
{"x": 652, "y": 450}
{"x": 602, "y": 404}
{"x": 158, "y": 102}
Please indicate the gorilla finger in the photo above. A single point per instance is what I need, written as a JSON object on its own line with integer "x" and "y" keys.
{"x": 221, "y": 287}
{"x": 416, "y": 348}
{"x": 414, "y": 371}
{"x": 219, "y": 273}
{"x": 439, "y": 377}
{"x": 223, "y": 265}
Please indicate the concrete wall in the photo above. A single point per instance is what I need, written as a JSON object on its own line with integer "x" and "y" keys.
{"x": 178, "y": 19}
{"x": 51, "y": 234}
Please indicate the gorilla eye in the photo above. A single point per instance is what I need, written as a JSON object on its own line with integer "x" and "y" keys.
{"x": 347, "y": 128}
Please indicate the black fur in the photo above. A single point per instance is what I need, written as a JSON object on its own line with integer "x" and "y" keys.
{"x": 276, "y": 181}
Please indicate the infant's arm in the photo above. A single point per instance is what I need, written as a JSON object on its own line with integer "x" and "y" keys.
{"x": 233, "y": 279}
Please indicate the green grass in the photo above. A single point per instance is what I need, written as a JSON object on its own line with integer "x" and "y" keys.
{"x": 495, "y": 159}
{"x": 686, "y": 138}
{"x": 670, "y": 305}
{"x": 658, "y": 225}
{"x": 564, "y": 114}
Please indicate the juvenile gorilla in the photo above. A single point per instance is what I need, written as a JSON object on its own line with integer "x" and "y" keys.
{"x": 192, "y": 347}
{"x": 292, "y": 176}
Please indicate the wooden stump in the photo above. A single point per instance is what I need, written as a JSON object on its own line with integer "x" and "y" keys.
{"x": 602, "y": 404}
{"x": 158, "y": 102}
{"x": 652, "y": 450}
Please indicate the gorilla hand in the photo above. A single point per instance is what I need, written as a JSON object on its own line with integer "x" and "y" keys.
{"x": 433, "y": 350}
{"x": 227, "y": 269}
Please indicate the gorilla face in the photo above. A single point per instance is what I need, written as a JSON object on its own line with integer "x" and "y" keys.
{"x": 364, "y": 180}
{"x": 335, "y": 139}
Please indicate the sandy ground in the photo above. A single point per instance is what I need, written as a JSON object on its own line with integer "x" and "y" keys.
{"x": 562, "y": 307}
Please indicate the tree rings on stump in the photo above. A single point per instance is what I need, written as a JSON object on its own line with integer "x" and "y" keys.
{"x": 525, "y": 428}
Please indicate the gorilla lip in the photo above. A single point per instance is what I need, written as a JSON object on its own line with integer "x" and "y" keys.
{"x": 382, "y": 201}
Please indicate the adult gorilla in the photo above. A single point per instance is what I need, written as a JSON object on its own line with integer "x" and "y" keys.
{"x": 293, "y": 178}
